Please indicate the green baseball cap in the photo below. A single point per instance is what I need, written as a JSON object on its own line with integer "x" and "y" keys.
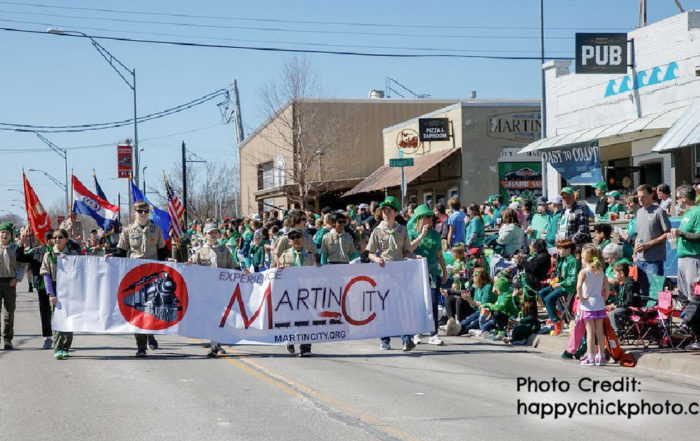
{"x": 613, "y": 194}
{"x": 601, "y": 186}
{"x": 567, "y": 190}
{"x": 391, "y": 202}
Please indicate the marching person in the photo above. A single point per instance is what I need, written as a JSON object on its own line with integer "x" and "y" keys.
{"x": 297, "y": 220}
{"x": 36, "y": 256}
{"x": 60, "y": 248}
{"x": 217, "y": 256}
{"x": 143, "y": 239}
{"x": 337, "y": 245}
{"x": 10, "y": 274}
{"x": 297, "y": 255}
{"x": 388, "y": 243}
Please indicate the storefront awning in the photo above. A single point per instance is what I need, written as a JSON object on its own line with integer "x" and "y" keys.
{"x": 385, "y": 176}
{"x": 318, "y": 187}
{"x": 606, "y": 133}
{"x": 685, "y": 132}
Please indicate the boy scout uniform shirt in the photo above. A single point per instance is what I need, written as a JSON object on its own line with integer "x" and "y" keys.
{"x": 283, "y": 244}
{"x": 217, "y": 256}
{"x": 380, "y": 240}
{"x": 331, "y": 246}
{"x": 288, "y": 258}
{"x": 49, "y": 262}
{"x": 141, "y": 242}
{"x": 9, "y": 269}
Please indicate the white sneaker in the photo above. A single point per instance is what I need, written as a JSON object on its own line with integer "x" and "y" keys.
{"x": 435, "y": 340}
{"x": 417, "y": 340}
{"x": 475, "y": 332}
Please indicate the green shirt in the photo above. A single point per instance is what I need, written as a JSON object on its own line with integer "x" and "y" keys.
{"x": 429, "y": 247}
{"x": 690, "y": 223}
{"x": 484, "y": 294}
{"x": 567, "y": 270}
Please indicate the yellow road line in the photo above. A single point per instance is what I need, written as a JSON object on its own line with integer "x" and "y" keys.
{"x": 272, "y": 377}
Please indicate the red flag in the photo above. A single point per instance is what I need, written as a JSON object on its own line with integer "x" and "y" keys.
{"x": 38, "y": 217}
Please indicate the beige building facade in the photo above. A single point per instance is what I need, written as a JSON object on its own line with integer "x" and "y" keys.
{"x": 468, "y": 163}
{"x": 318, "y": 149}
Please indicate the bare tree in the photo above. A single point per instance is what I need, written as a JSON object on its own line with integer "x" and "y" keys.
{"x": 211, "y": 189}
{"x": 304, "y": 128}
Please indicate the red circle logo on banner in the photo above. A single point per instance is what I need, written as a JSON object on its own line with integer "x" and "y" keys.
{"x": 153, "y": 296}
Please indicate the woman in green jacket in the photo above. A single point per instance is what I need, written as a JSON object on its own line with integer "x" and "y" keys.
{"x": 564, "y": 283}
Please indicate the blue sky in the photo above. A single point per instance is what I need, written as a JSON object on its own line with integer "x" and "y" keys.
{"x": 55, "y": 80}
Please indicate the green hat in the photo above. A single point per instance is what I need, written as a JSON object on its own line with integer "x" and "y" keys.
{"x": 567, "y": 190}
{"x": 490, "y": 200}
{"x": 391, "y": 202}
{"x": 613, "y": 194}
{"x": 422, "y": 211}
{"x": 7, "y": 226}
{"x": 601, "y": 186}
{"x": 502, "y": 284}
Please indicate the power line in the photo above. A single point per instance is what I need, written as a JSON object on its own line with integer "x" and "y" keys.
{"x": 114, "y": 124}
{"x": 272, "y": 20}
{"x": 304, "y": 43}
{"x": 302, "y": 31}
{"x": 279, "y": 49}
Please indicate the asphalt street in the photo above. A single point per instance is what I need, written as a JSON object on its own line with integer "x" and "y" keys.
{"x": 467, "y": 389}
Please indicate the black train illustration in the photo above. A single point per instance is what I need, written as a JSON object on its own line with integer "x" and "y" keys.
{"x": 155, "y": 296}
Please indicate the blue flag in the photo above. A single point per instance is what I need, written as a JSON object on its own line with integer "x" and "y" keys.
{"x": 98, "y": 189}
{"x": 158, "y": 216}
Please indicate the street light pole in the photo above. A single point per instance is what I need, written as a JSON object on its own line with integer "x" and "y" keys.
{"x": 58, "y": 183}
{"x": 144, "y": 179}
{"x": 111, "y": 59}
{"x": 63, "y": 153}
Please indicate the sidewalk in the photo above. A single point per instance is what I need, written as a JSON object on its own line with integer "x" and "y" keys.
{"x": 678, "y": 362}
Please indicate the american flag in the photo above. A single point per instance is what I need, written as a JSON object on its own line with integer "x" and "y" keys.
{"x": 176, "y": 211}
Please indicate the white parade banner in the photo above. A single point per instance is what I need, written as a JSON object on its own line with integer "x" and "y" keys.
{"x": 287, "y": 306}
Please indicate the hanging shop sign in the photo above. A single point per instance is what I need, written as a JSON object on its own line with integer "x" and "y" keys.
{"x": 433, "y": 129}
{"x": 601, "y": 53}
{"x": 578, "y": 163}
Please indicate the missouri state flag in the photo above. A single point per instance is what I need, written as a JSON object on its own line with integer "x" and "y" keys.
{"x": 87, "y": 203}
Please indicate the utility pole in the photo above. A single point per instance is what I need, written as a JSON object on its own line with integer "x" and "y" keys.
{"x": 184, "y": 182}
{"x": 238, "y": 125}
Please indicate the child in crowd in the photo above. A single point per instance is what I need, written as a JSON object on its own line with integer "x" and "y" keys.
{"x": 628, "y": 295}
{"x": 592, "y": 291}
{"x": 458, "y": 267}
{"x": 563, "y": 284}
{"x": 506, "y": 305}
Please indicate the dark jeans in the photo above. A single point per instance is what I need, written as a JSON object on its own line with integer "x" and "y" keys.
{"x": 550, "y": 295}
{"x": 647, "y": 270}
{"x": 456, "y": 305}
{"x": 44, "y": 312}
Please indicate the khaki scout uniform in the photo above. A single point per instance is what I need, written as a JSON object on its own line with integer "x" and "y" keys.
{"x": 303, "y": 258}
{"x": 337, "y": 246}
{"x": 283, "y": 244}
{"x": 8, "y": 294}
{"x": 141, "y": 243}
{"x": 218, "y": 256}
{"x": 62, "y": 341}
{"x": 291, "y": 258}
{"x": 381, "y": 240}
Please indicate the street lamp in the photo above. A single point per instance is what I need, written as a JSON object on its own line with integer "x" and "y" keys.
{"x": 63, "y": 153}
{"x": 58, "y": 183}
{"x": 111, "y": 59}
{"x": 144, "y": 179}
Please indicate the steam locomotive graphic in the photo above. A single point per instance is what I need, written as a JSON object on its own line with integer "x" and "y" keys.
{"x": 154, "y": 295}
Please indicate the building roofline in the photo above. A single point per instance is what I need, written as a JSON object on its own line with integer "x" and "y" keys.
{"x": 385, "y": 101}
{"x": 469, "y": 103}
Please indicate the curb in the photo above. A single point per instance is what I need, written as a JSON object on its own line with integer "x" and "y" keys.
{"x": 680, "y": 362}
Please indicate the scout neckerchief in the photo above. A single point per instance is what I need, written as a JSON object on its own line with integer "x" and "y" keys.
{"x": 212, "y": 255}
{"x": 6, "y": 257}
{"x": 298, "y": 257}
{"x": 143, "y": 230}
{"x": 343, "y": 257}
{"x": 391, "y": 232}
